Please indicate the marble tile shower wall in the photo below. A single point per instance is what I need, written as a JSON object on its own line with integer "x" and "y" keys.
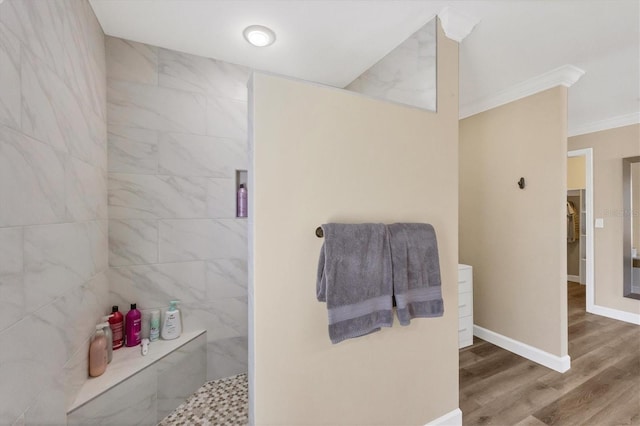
{"x": 177, "y": 132}
{"x": 407, "y": 74}
{"x": 53, "y": 203}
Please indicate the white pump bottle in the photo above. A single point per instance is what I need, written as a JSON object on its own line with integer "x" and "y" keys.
{"x": 172, "y": 324}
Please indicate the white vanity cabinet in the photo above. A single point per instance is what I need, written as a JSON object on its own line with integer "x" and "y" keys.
{"x": 465, "y": 305}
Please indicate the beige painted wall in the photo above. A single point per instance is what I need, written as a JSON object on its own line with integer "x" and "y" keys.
{"x": 609, "y": 148}
{"x": 576, "y": 174}
{"x": 326, "y": 155}
{"x": 516, "y": 239}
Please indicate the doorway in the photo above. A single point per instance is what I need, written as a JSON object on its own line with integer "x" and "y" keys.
{"x": 586, "y": 274}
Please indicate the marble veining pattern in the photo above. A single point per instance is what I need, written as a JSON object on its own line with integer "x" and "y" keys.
{"x": 179, "y": 374}
{"x": 221, "y": 198}
{"x": 132, "y": 150}
{"x": 48, "y": 406}
{"x": 53, "y": 229}
{"x": 32, "y": 181}
{"x": 26, "y": 369}
{"x": 202, "y": 239}
{"x": 133, "y": 196}
{"x": 84, "y": 202}
{"x": 9, "y": 78}
{"x": 203, "y": 75}
{"x": 177, "y": 135}
{"x": 182, "y": 154}
{"x": 227, "y": 357}
{"x": 59, "y": 258}
{"x": 154, "y": 285}
{"x": 133, "y": 242}
{"x": 75, "y": 372}
{"x": 407, "y": 74}
{"x": 40, "y": 27}
{"x": 50, "y": 113}
{"x": 131, "y": 61}
{"x": 85, "y": 65}
{"x": 133, "y": 402}
{"x": 223, "y": 318}
{"x": 227, "y": 118}
{"x": 11, "y": 278}
{"x": 226, "y": 278}
{"x": 155, "y": 108}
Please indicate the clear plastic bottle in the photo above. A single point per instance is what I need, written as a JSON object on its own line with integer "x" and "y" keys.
{"x": 106, "y": 328}
{"x": 154, "y": 326}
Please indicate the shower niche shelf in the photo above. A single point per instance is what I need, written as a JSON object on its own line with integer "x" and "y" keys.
{"x": 119, "y": 394}
{"x": 241, "y": 179}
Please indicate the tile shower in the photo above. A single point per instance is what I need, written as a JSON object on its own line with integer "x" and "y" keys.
{"x": 177, "y": 132}
{"x": 117, "y": 184}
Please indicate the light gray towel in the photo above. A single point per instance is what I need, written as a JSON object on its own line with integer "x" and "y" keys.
{"x": 416, "y": 271}
{"x": 354, "y": 278}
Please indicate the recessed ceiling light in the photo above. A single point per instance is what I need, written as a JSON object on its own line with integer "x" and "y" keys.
{"x": 259, "y": 36}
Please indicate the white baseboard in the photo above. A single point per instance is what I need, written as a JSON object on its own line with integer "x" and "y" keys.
{"x": 615, "y": 314}
{"x": 452, "y": 418}
{"x": 574, "y": 278}
{"x": 554, "y": 362}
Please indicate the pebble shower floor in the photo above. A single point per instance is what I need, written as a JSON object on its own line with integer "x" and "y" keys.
{"x": 223, "y": 402}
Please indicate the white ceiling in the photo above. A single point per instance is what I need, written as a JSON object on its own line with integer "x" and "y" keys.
{"x": 334, "y": 41}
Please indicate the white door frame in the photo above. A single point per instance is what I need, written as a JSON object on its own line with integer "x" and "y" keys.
{"x": 588, "y": 154}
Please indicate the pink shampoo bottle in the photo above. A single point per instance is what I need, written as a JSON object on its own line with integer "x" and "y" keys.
{"x": 133, "y": 326}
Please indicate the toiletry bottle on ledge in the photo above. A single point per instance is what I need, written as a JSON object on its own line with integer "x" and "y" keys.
{"x": 106, "y": 328}
{"x": 98, "y": 357}
{"x": 172, "y": 324}
{"x": 154, "y": 326}
{"x": 133, "y": 327}
{"x": 242, "y": 201}
{"x": 116, "y": 321}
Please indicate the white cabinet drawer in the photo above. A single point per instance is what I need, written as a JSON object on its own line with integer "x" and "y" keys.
{"x": 465, "y": 280}
{"x": 465, "y": 304}
{"x": 465, "y": 331}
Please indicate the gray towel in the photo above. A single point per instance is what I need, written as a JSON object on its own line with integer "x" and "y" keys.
{"x": 416, "y": 271}
{"x": 354, "y": 278}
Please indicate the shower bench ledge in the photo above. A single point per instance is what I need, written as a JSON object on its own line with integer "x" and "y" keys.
{"x": 127, "y": 362}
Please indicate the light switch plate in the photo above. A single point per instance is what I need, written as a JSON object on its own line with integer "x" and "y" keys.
{"x": 599, "y": 222}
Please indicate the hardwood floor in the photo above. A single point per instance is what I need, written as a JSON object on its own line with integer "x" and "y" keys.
{"x": 602, "y": 387}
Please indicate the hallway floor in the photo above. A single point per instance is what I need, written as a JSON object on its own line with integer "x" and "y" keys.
{"x": 602, "y": 387}
{"x": 223, "y": 402}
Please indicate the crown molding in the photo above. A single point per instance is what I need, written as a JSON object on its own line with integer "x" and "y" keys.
{"x": 606, "y": 124}
{"x": 456, "y": 26}
{"x": 565, "y": 75}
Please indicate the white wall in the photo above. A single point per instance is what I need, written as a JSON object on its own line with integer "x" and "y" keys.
{"x": 177, "y": 128}
{"x": 53, "y": 197}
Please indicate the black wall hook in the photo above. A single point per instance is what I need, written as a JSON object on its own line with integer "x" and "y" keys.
{"x": 521, "y": 183}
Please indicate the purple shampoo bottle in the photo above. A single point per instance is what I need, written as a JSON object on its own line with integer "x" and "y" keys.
{"x": 242, "y": 201}
{"x": 133, "y": 326}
